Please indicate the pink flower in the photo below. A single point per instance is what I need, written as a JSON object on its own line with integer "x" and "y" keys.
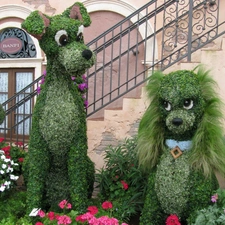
{"x": 64, "y": 220}
{"x": 51, "y": 215}
{"x": 107, "y": 205}
{"x": 125, "y": 185}
{"x": 105, "y": 220}
{"x": 64, "y": 204}
{"x": 214, "y": 198}
{"x": 2, "y": 139}
{"x": 172, "y": 220}
{"x": 73, "y": 78}
{"x": 41, "y": 213}
{"x": 80, "y": 219}
{"x": 92, "y": 209}
{"x": 124, "y": 224}
{"x": 39, "y": 223}
{"x": 87, "y": 216}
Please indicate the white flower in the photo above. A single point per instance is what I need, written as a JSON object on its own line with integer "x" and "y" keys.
{"x": 4, "y": 166}
{"x": 13, "y": 177}
{"x": 7, "y": 183}
{"x": 2, "y": 171}
{"x": 9, "y": 170}
{"x": 6, "y": 160}
{"x": 2, "y": 188}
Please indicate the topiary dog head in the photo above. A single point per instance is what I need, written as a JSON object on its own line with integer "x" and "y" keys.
{"x": 61, "y": 38}
{"x": 181, "y": 104}
{"x": 184, "y": 106}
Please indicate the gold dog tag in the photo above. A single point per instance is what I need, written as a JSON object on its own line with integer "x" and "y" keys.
{"x": 176, "y": 152}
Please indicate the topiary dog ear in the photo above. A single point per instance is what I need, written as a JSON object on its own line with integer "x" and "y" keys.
{"x": 78, "y": 12}
{"x": 35, "y": 24}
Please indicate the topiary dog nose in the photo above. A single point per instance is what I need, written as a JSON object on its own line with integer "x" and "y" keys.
{"x": 177, "y": 121}
{"x": 87, "y": 54}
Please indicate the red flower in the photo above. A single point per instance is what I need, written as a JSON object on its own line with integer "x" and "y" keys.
{"x": 19, "y": 143}
{"x": 39, "y": 223}
{"x": 92, "y": 209}
{"x": 51, "y": 215}
{"x": 107, "y": 205}
{"x": 6, "y": 148}
{"x": 172, "y": 220}
{"x": 2, "y": 139}
{"x": 21, "y": 159}
{"x": 80, "y": 219}
{"x": 125, "y": 185}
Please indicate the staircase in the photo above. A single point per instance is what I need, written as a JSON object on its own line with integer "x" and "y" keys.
{"x": 165, "y": 35}
{"x": 118, "y": 124}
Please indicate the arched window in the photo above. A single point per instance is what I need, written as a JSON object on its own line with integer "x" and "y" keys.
{"x": 15, "y": 43}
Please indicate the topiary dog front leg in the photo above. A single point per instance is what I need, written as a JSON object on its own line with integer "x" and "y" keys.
{"x": 38, "y": 168}
{"x": 152, "y": 213}
{"x": 77, "y": 170}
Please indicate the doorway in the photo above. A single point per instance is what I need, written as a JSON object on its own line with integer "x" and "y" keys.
{"x": 13, "y": 81}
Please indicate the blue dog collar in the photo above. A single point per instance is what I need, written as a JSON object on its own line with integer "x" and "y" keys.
{"x": 183, "y": 145}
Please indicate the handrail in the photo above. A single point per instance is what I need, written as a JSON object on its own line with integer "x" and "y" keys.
{"x": 128, "y": 69}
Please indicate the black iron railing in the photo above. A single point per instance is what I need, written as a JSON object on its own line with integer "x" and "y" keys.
{"x": 156, "y": 36}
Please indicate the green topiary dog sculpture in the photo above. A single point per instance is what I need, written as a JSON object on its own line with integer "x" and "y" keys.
{"x": 180, "y": 143}
{"x": 58, "y": 165}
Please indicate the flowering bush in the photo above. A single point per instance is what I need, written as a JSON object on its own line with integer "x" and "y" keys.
{"x": 99, "y": 216}
{"x": 93, "y": 216}
{"x": 11, "y": 159}
{"x": 121, "y": 180}
{"x": 7, "y": 172}
{"x": 215, "y": 213}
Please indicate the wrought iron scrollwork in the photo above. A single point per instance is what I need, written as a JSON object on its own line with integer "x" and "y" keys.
{"x": 27, "y": 50}
{"x": 187, "y": 22}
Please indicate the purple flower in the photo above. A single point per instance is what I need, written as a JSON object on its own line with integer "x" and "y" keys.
{"x": 73, "y": 78}
{"x": 44, "y": 73}
{"x": 84, "y": 78}
{"x": 85, "y": 104}
{"x": 38, "y": 90}
{"x": 42, "y": 80}
{"x": 214, "y": 198}
{"x": 82, "y": 86}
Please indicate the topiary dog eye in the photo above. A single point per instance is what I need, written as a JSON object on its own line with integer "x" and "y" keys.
{"x": 61, "y": 38}
{"x": 80, "y": 33}
{"x": 167, "y": 105}
{"x": 188, "y": 104}
{"x": 80, "y": 37}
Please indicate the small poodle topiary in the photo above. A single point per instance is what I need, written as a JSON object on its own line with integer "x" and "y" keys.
{"x": 58, "y": 165}
{"x": 180, "y": 143}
